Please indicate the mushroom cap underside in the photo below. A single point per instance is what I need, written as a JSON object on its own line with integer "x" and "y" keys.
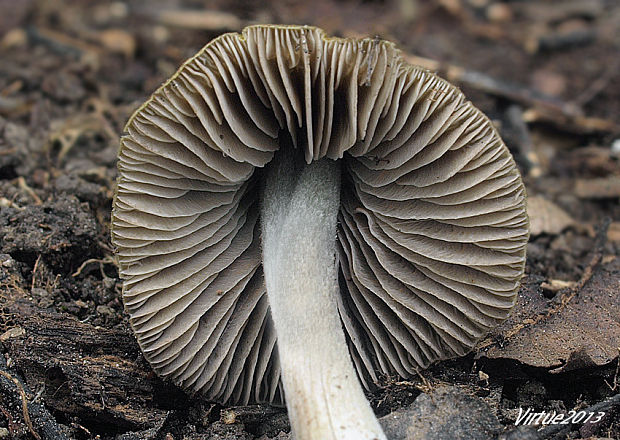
{"x": 432, "y": 225}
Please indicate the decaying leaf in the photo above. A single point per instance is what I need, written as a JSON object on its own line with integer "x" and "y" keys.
{"x": 546, "y": 217}
{"x": 583, "y": 333}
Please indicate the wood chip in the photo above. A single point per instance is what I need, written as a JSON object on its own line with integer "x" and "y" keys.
{"x": 14, "y": 38}
{"x": 556, "y": 285}
{"x": 118, "y": 41}
{"x": 203, "y": 20}
{"x": 14, "y": 332}
{"x": 602, "y": 188}
{"x": 613, "y": 233}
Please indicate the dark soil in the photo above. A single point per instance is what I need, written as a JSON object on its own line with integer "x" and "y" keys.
{"x": 71, "y": 73}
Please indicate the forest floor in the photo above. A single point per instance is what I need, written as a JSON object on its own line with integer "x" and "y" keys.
{"x": 71, "y": 72}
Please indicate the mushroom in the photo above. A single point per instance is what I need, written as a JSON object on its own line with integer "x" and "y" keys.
{"x": 298, "y": 214}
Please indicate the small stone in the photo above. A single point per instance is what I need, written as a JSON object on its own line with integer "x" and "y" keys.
{"x": 81, "y": 304}
{"x": 106, "y": 311}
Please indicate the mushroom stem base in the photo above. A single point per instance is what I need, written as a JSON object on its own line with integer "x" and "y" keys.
{"x": 299, "y": 210}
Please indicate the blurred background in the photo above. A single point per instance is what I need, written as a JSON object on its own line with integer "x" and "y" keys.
{"x": 547, "y": 73}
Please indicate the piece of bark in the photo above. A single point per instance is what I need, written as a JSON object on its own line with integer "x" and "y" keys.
{"x": 91, "y": 373}
{"x": 40, "y": 423}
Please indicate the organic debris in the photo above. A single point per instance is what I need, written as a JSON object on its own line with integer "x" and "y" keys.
{"x": 72, "y": 72}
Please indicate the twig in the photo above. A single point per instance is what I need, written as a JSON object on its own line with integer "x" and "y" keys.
{"x": 426, "y": 387}
{"x": 78, "y": 426}
{"x": 208, "y": 20}
{"x": 560, "y": 40}
{"x": 106, "y": 260}
{"x": 34, "y": 272}
{"x": 9, "y": 420}
{"x": 516, "y": 130}
{"x": 599, "y": 244}
{"x": 22, "y": 394}
{"x": 615, "y": 381}
{"x": 575, "y": 124}
{"x": 488, "y": 84}
{"x": 6, "y": 203}
{"x": 540, "y": 107}
{"x": 598, "y": 85}
{"x": 39, "y": 394}
{"x": 61, "y": 42}
{"x": 24, "y": 186}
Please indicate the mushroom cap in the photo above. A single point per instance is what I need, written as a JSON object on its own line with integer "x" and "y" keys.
{"x": 432, "y": 225}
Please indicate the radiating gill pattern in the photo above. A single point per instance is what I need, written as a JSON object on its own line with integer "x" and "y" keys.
{"x": 432, "y": 227}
